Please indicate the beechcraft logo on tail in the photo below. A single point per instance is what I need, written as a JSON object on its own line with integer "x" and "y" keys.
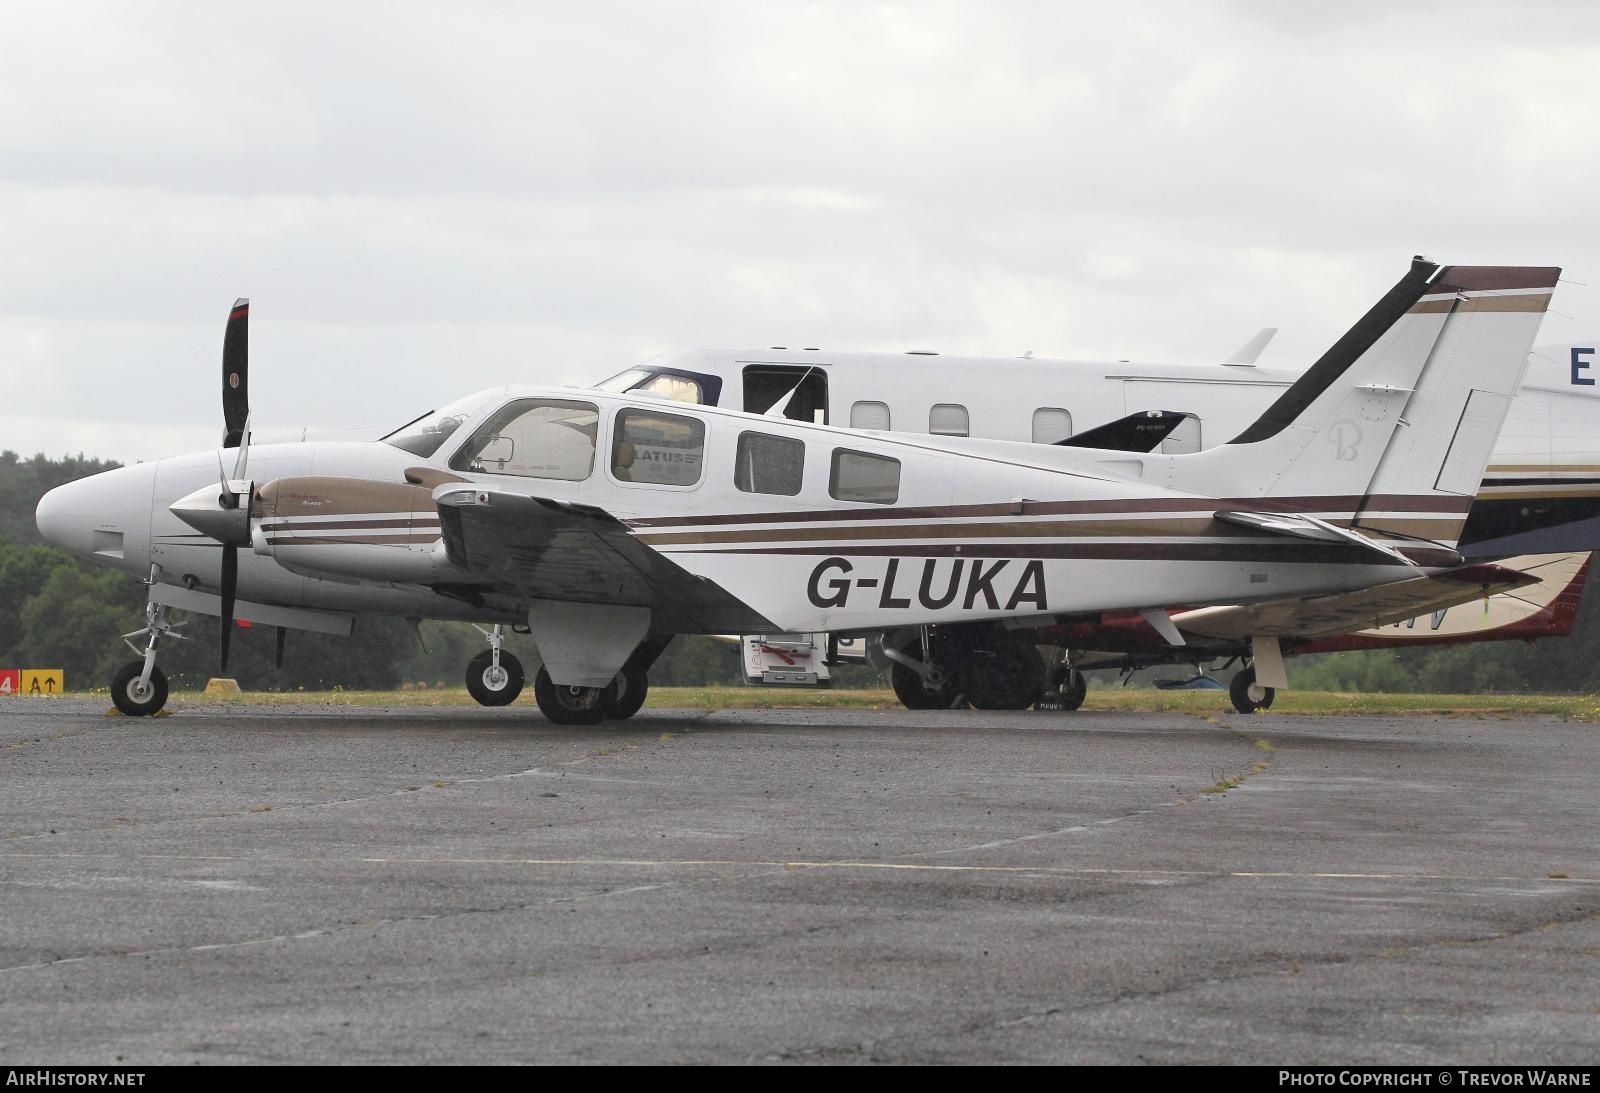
{"x": 931, "y": 583}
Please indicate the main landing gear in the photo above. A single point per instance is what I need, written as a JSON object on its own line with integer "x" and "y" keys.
{"x": 940, "y": 668}
{"x": 495, "y": 678}
{"x": 618, "y": 700}
{"x": 1006, "y": 675}
{"x": 139, "y": 688}
{"x": 919, "y": 679}
{"x": 1249, "y": 696}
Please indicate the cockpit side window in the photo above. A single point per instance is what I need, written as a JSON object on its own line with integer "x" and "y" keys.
{"x": 534, "y": 438}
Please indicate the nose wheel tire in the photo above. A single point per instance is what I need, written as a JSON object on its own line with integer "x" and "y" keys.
{"x": 133, "y": 699}
{"x": 1249, "y": 696}
{"x": 566, "y": 705}
{"x": 494, "y": 687}
{"x": 627, "y": 692}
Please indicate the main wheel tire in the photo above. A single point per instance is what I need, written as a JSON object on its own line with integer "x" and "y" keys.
{"x": 489, "y": 688}
{"x": 913, "y": 691}
{"x": 571, "y": 705}
{"x": 1247, "y": 695}
{"x": 627, "y": 692}
{"x": 1010, "y": 677}
{"x": 134, "y": 700}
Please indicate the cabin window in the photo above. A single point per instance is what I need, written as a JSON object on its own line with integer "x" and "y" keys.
{"x": 858, "y": 476}
{"x": 1051, "y": 424}
{"x": 769, "y": 464}
{"x": 1184, "y": 439}
{"x": 870, "y": 415}
{"x": 534, "y": 438}
{"x": 949, "y": 419}
{"x": 659, "y": 449}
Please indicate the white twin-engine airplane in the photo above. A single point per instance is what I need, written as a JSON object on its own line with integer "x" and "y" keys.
{"x": 610, "y": 523}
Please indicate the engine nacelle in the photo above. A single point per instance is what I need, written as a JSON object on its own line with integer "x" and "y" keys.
{"x": 351, "y": 529}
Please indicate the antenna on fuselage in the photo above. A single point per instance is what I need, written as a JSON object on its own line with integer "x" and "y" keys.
{"x": 780, "y": 408}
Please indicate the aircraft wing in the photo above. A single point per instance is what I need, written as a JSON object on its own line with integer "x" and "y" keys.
{"x": 558, "y": 550}
{"x": 1369, "y": 607}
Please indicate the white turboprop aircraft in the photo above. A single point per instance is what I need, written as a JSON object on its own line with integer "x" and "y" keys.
{"x": 611, "y": 523}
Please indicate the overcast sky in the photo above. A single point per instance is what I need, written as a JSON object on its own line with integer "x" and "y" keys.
{"x": 421, "y": 200}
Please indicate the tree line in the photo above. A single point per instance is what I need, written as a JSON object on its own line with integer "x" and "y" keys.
{"x": 58, "y": 611}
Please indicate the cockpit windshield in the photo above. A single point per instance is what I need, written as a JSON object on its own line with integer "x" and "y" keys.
{"x": 676, "y": 386}
{"x": 623, "y": 381}
{"x": 424, "y": 435}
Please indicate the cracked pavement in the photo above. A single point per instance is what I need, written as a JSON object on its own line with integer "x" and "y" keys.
{"x": 323, "y": 884}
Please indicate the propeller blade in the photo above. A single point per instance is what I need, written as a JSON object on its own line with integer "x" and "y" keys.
{"x": 236, "y": 375}
{"x": 241, "y": 464}
{"x": 283, "y": 633}
{"x": 230, "y": 583}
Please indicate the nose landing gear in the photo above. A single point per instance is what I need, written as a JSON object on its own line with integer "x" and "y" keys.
{"x": 139, "y": 688}
{"x": 494, "y": 676}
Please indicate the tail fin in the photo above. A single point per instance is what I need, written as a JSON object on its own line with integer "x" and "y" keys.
{"x": 1451, "y": 422}
{"x": 1399, "y": 416}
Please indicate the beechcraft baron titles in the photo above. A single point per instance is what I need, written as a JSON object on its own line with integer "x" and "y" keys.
{"x": 609, "y": 523}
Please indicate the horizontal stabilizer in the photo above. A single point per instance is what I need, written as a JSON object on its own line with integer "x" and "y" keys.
{"x": 1345, "y": 612}
{"x": 1141, "y": 432}
{"x": 1300, "y": 526}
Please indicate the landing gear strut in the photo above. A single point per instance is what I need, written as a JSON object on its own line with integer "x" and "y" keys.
{"x": 918, "y": 679}
{"x": 139, "y": 688}
{"x": 1249, "y": 696}
{"x": 494, "y": 676}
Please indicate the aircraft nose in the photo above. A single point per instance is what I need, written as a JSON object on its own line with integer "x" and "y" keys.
{"x": 65, "y": 516}
{"x": 105, "y": 516}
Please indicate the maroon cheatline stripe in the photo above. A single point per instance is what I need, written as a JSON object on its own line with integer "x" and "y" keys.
{"x": 1492, "y": 278}
{"x": 1346, "y": 504}
{"x": 362, "y": 540}
{"x": 346, "y": 525}
{"x": 1135, "y": 551}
